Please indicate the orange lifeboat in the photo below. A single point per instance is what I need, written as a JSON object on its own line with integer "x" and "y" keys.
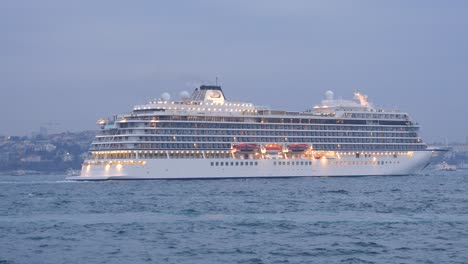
{"x": 246, "y": 147}
{"x": 273, "y": 147}
{"x": 298, "y": 147}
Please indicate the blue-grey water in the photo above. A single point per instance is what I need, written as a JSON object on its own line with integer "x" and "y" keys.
{"x": 412, "y": 219}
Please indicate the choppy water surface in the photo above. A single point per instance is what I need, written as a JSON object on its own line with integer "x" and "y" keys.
{"x": 414, "y": 219}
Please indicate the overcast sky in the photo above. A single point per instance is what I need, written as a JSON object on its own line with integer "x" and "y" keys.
{"x": 64, "y": 64}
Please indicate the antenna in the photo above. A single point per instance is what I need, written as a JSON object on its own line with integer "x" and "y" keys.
{"x": 216, "y": 80}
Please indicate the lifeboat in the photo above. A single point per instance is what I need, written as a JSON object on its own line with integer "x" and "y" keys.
{"x": 298, "y": 147}
{"x": 246, "y": 147}
{"x": 273, "y": 147}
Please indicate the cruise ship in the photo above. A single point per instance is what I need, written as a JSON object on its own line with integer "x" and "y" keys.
{"x": 205, "y": 136}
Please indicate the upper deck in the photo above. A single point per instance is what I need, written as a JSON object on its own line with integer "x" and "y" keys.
{"x": 206, "y": 120}
{"x": 210, "y": 101}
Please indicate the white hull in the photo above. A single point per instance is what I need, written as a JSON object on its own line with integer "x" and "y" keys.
{"x": 212, "y": 169}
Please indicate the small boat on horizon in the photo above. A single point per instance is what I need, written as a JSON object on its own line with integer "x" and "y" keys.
{"x": 444, "y": 166}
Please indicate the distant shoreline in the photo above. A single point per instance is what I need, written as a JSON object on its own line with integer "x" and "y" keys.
{"x": 19, "y": 173}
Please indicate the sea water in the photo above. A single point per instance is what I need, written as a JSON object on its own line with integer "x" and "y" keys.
{"x": 392, "y": 219}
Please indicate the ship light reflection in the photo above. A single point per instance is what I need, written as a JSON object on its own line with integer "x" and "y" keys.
{"x": 323, "y": 160}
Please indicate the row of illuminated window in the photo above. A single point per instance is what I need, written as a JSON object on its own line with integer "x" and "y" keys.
{"x": 234, "y": 163}
{"x": 292, "y": 163}
{"x": 242, "y": 139}
{"x": 273, "y": 120}
{"x": 227, "y": 146}
{"x": 286, "y": 163}
{"x": 301, "y": 163}
{"x": 161, "y": 155}
{"x": 192, "y": 125}
{"x": 220, "y": 132}
{"x": 375, "y": 115}
{"x": 379, "y": 162}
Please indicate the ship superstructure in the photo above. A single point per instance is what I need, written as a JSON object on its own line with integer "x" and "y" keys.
{"x": 206, "y": 136}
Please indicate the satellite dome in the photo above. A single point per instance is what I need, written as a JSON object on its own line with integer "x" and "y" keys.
{"x": 166, "y": 96}
{"x": 184, "y": 95}
{"x": 329, "y": 95}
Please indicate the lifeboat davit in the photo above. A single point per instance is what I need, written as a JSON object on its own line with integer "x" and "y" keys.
{"x": 298, "y": 147}
{"x": 273, "y": 147}
{"x": 246, "y": 147}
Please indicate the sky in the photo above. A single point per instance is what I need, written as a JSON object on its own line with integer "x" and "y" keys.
{"x": 65, "y": 64}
